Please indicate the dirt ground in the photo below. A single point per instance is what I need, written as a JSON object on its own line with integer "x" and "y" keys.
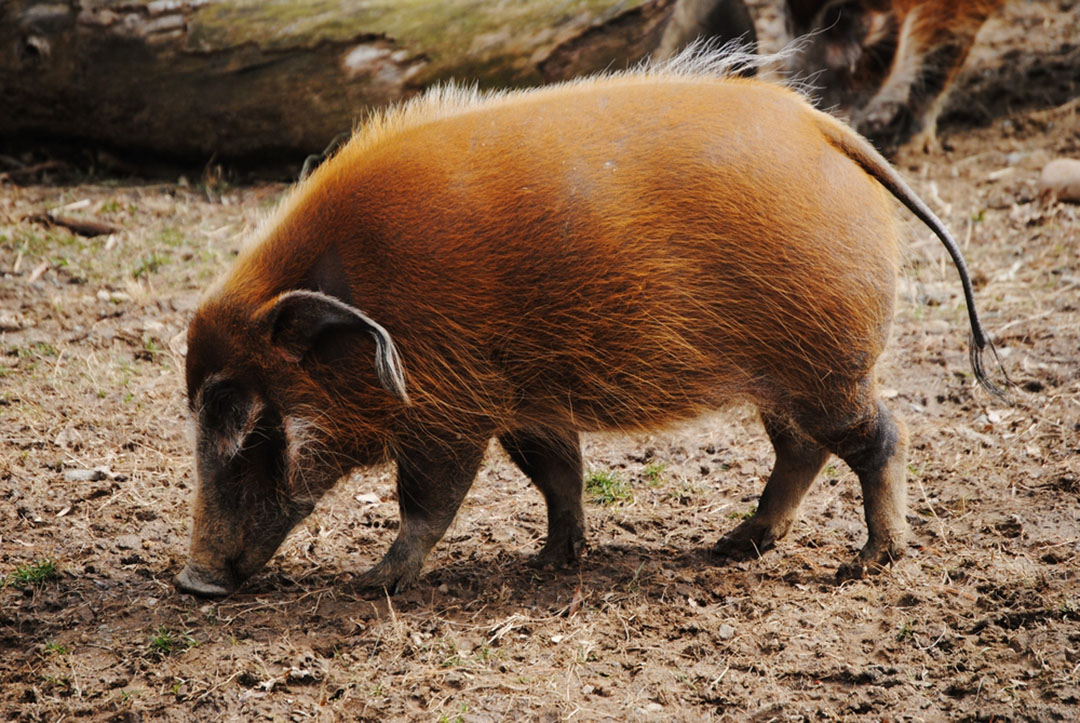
{"x": 981, "y": 620}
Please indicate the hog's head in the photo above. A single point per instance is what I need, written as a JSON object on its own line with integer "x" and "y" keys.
{"x": 285, "y": 400}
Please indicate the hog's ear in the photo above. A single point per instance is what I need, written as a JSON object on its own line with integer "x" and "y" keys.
{"x": 298, "y": 318}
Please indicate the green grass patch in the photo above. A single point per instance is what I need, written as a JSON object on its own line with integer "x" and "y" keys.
{"x": 166, "y": 642}
{"x": 741, "y": 514}
{"x": 54, "y": 648}
{"x": 171, "y": 237}
{"x": 607, "y": 488}
{"x": 149, "y": 264}
{"x": 152, "y": 349}
{"x": 37, "y": 573}
{"x": 654, "y": 473}
{"x": 36, "y": 350}
{"x": 455, "y": 718}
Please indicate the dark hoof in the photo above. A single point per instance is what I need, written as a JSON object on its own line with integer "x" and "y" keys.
{"x": 854, "y": 570}
{"x": 386, "y": 579}
{"x": 880, "y": 117}
{"x": 191, "y": 580}
{"x": 868, "y": 563}
{"x": 745, "y": 542}
{"x": 562, "y": 554}
{"x": 887, "y": 134}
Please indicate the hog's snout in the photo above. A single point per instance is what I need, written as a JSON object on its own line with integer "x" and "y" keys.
{"x": 193, "y": 581}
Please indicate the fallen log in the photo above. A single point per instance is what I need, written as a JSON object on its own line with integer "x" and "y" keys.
{"x": 242, "y": 78}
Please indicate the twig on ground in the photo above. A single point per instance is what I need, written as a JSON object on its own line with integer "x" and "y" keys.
{"x": 80, "y": 226}
{"x": 30, "y": 170}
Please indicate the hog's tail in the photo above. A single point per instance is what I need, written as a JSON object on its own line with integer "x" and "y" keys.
{"x": 858, "y": 149}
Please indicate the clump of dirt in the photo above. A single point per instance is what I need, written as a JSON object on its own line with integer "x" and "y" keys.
{"x": 979, "y": 621}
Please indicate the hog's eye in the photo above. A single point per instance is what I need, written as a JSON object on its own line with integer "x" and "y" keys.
{"x": 225, "y": 407}
{"x": 227, "y": 413}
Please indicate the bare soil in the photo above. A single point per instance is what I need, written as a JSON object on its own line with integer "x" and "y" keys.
{"x": 980, "y": 621}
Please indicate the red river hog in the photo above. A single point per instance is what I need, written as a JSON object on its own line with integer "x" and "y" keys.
{"x": 616, "y": 253}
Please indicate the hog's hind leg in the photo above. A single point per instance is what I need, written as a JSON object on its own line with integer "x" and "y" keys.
{"x": 552, "y": 460}
{"x": 432, "y": 480}
{"x": 798, "y": 461}
{"x": 878, "y": 455}
{"x": 875, "y": 448}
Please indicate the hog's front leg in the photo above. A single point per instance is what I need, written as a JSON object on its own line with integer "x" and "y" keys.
{"x": 431, "y": 483}
{"x": 552, "y": 460}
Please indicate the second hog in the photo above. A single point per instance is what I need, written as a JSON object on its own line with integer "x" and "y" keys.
{"x": 615, "y": 253}
{"x": 889, "y": 63}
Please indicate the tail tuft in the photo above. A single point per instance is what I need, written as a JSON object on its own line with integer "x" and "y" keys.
{"x": 975, "y": 351}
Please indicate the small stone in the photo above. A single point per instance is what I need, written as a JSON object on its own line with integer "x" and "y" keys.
{"x": 726, "y": 632}
{"x": 1061, "y": 177}
{"x": 937, "y": 326}
{"x": 128, "y": 542}
{"x": 67, "y": 438}
{"x": 10, "y": 321}
{"x": 368, "y": 498}
{"x": 84, "y": 475}
{"x": 160, "y": 7}
{"x": 115, "y": 297}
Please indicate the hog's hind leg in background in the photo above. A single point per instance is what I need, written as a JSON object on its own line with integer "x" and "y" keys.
{"x": 552, "y": 460}
{"x": 798, "y": 461}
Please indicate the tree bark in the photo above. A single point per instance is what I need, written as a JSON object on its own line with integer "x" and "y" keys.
{"x": 243, "y": 78}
